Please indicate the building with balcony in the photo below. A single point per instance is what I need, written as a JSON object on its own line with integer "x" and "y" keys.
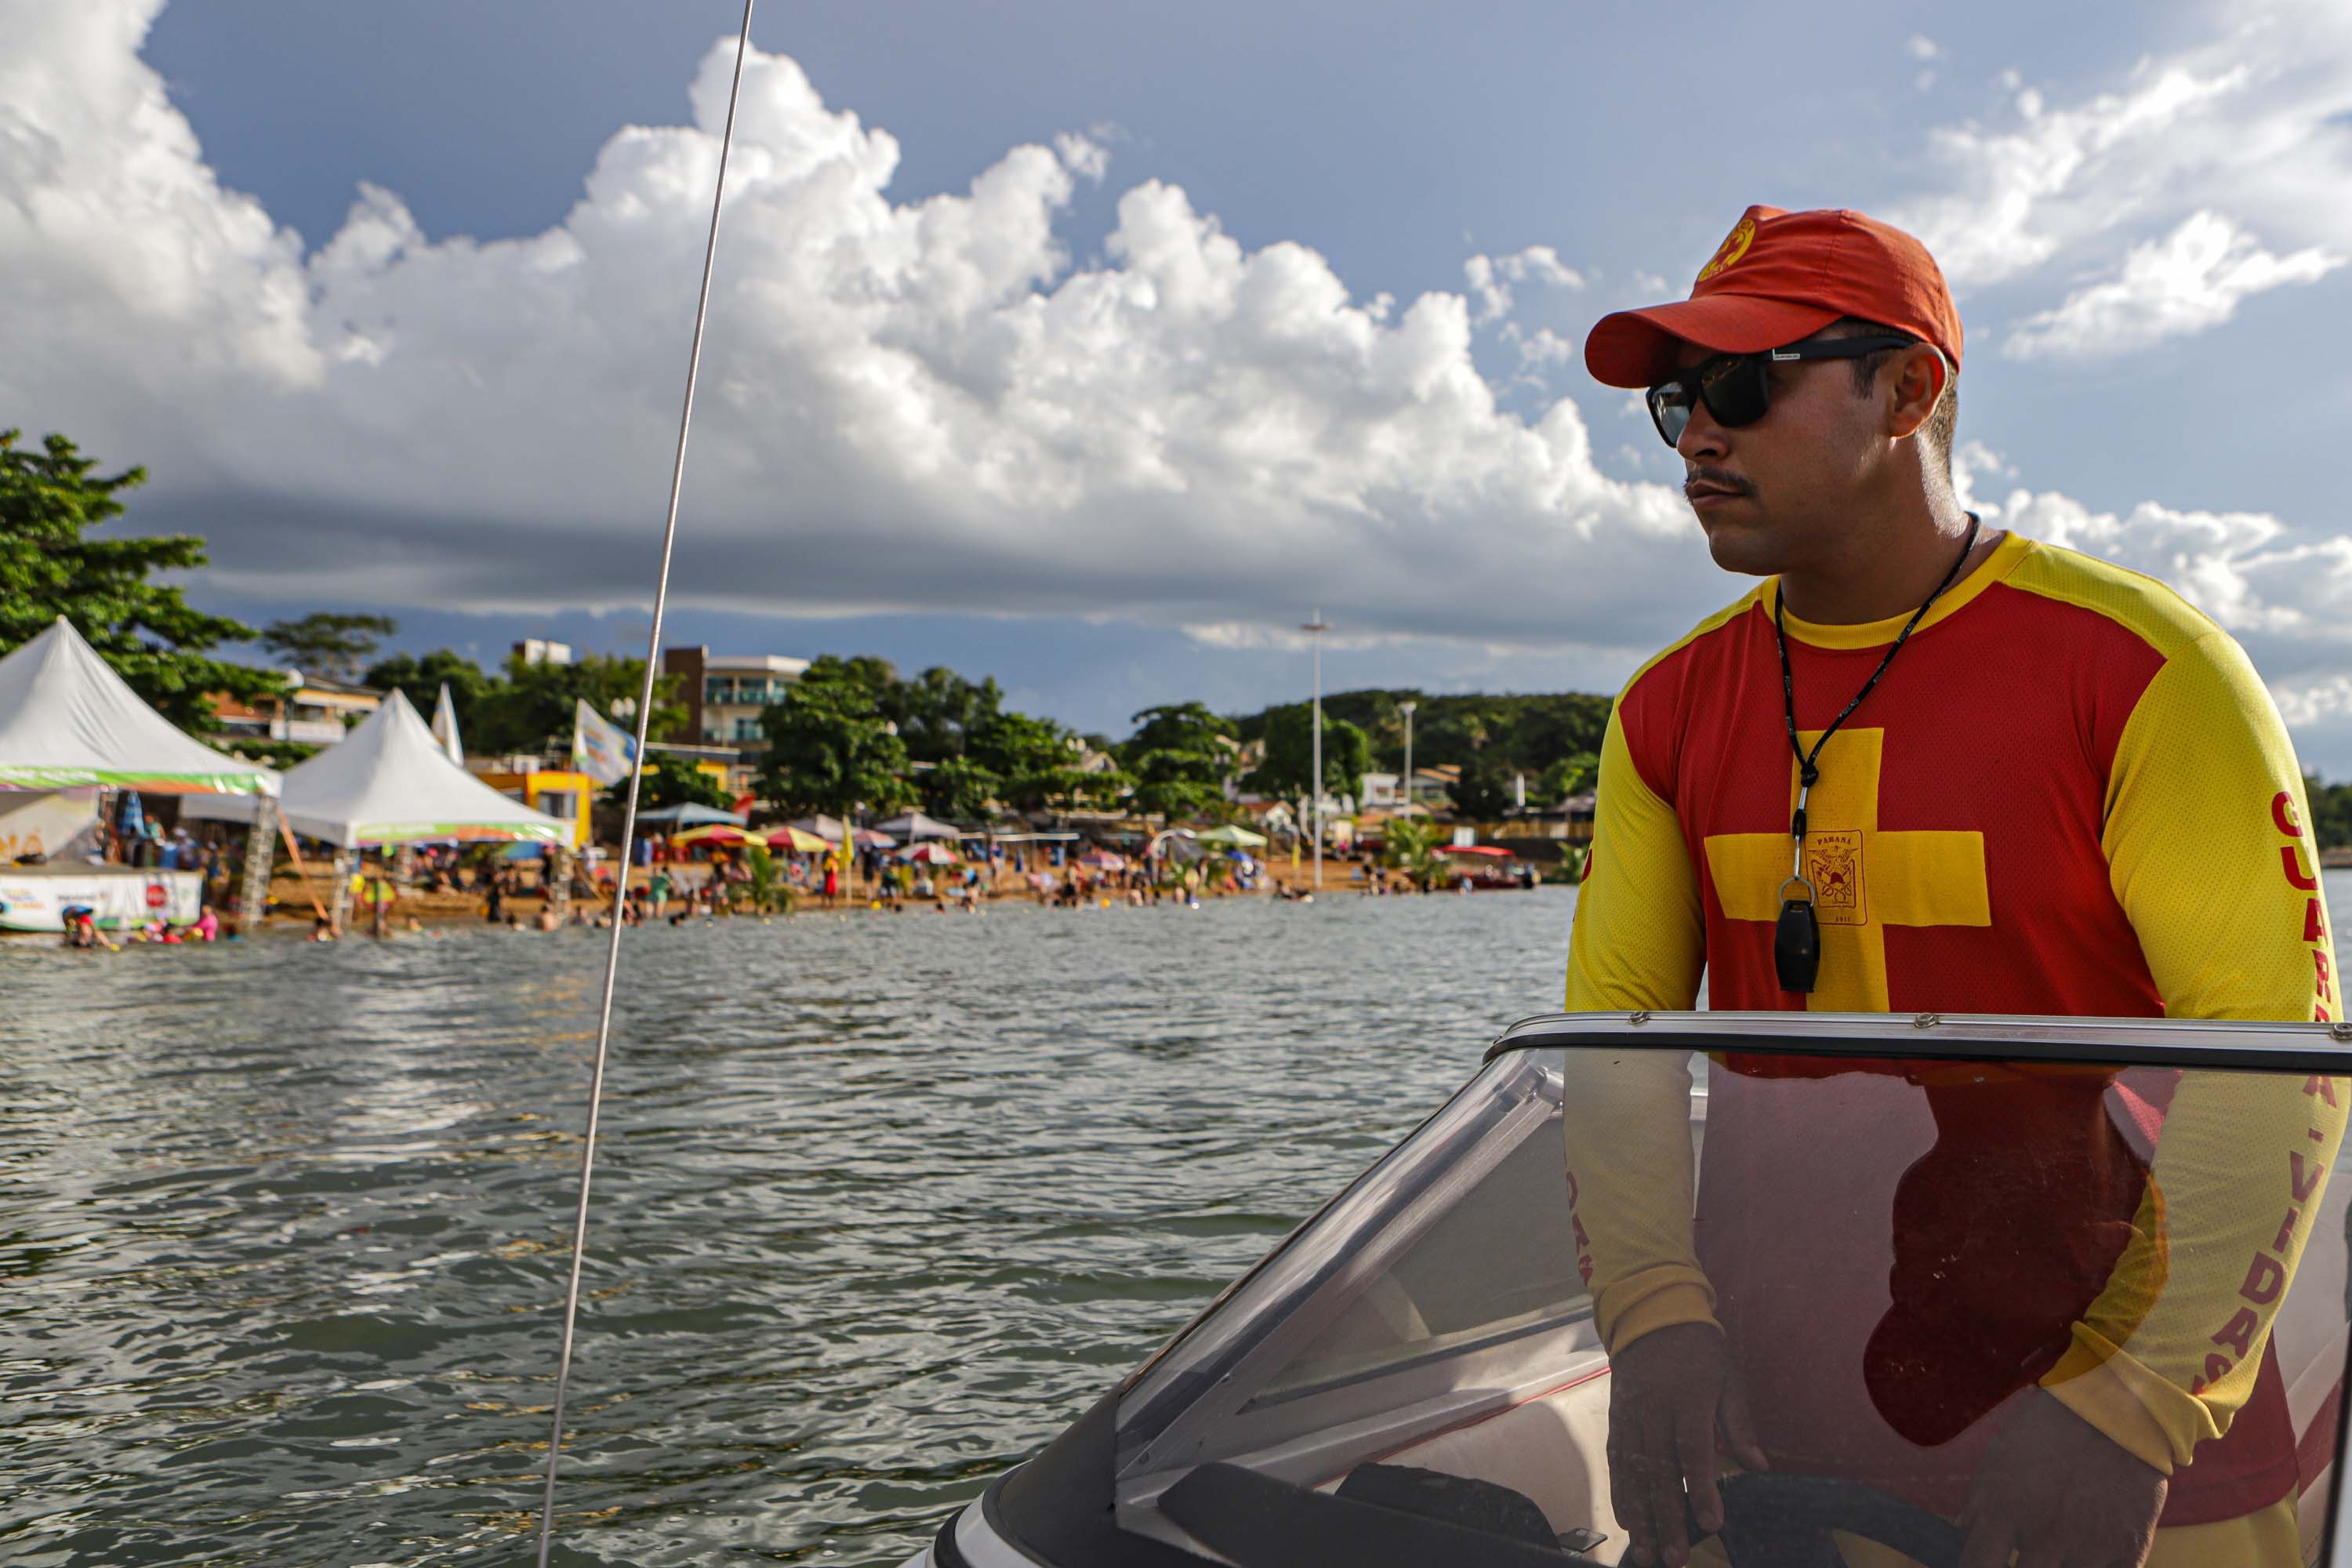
{"x": 724, "y": 693}
{"x": 311, "y": 711}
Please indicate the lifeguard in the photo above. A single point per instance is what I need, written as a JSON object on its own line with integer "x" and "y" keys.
{"x": 1930, "y": 766}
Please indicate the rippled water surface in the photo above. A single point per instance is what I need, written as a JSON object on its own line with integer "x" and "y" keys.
{"x": 881, "y": 1205}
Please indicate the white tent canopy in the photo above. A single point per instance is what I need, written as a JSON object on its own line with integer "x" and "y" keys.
{"x": 389, "y": 782}
{"x": 67, "y": 721}
{"x": 915, "y": 824}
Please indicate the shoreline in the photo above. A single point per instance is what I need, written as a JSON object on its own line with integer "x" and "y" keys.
{"x": 292, "y": 899}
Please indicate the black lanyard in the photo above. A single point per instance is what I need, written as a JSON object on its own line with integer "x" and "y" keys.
{"x": 1797, "y": 936}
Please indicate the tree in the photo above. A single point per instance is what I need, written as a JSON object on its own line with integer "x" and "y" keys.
{"x": 877, "y": 677}
{"x": 1179, "y": 727}
{"x": 671, "y": 780}
{"x": 766, "y": 889}
{"x": 327, "y": 643}
{"x": 957, "y": 790}
{"x": 2331, "y": 812}
{"x": 829, "y": 750}
{"x": 1179, "y": 756}
{"x": 1411, "y": 847}
{"x": 530, "y": 708}
{"x": 1035, "y": 761}
{"x": 146, "y": 631}
{"x": 420, "y": 678}
{"x": 1289, "y": 756}
{"x": 939, "y": 710}
{"x": 1568, "y": 776}
{"x": 1482, "y": 794}
{"x": 1524, "y": 732}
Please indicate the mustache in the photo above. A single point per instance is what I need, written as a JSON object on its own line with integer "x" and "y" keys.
{"x": 1719, "y": 479}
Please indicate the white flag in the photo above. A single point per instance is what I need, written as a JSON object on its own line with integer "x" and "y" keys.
{"x": 600, "y": 748}
{"x": 445, "y": 727}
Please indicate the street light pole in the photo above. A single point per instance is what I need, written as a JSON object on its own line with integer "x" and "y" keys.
{"x": 1406, "y": 708}
{"x": 1315, "y": 630}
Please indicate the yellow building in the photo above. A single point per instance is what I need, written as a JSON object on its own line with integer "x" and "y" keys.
{"x": 559, "y": 792}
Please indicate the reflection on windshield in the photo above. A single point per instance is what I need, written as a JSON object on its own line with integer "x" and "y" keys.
{"x": 1884, "y": 1284}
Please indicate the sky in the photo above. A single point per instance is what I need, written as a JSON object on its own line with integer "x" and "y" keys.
{"x": 1096, "y": 347}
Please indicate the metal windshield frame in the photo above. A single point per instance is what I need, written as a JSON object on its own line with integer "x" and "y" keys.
{"x": 1955, "y": 1037}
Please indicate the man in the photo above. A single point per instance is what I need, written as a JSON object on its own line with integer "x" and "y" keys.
{"x": 371, "y": 885}
{"x": 1929, "y": 766}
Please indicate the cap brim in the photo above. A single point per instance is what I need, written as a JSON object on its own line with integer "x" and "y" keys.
{"x": 1637, "y": 348}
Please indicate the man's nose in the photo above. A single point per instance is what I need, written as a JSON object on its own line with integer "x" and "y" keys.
{"x": 1702, "y": 438}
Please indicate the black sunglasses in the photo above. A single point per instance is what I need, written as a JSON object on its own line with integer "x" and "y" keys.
{"x": 1735, "y": 387}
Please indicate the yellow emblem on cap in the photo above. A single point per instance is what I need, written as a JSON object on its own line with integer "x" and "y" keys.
{"x": 1735, "y": 245}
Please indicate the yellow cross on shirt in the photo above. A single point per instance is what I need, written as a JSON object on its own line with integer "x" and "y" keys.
{"x": 1864, "y": 879}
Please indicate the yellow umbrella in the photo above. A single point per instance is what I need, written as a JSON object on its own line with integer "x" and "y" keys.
{"x": 798, "y": 842}
{"x": 720, "y": 833}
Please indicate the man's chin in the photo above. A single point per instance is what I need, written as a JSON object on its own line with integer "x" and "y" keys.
{"x": 1739, "y": 544}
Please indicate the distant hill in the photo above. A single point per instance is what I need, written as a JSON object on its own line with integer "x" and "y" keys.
{"x": 1525, "y": 733}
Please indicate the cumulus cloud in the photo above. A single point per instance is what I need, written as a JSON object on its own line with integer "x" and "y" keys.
{"x": 1922, "y": 48}
{"x": 1543, "y": 348}
{"x": 1998, "y": 220}
{"x": 905, "y": 404}
{"x": 2190, "y": 280}
{"x": 2307, "y": 703}
{"x": 1491, "y": 277}
{"x": 2251, "y": 125}
{"x": 916, "y": 404}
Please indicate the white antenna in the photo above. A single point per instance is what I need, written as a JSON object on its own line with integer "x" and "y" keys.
{"x": 629, "y": 812}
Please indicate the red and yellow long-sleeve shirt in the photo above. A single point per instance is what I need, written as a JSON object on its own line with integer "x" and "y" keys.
{"x": 2070, "y": 795}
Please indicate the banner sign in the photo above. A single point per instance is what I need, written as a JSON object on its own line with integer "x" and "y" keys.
{"x": 600, "y": 748}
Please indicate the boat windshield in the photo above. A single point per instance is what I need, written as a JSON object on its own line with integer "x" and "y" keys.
{"x": 1893, "y": 1278}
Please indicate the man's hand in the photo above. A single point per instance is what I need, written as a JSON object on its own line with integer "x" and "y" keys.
{"x": 1669, "y": 1393}
{"x": 2058, "y": 1493}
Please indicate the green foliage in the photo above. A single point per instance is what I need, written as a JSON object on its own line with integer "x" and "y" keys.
{"x": 1035, "y": 761}
{"x": 1290, "y": 758}
{"x": 828, "y": 749}
{"x": 269, "y": 754}
{"x": 957, "y": 789}
{"x": 2331, "y": 812}
{"x": 1519, "y": 733}
{"x": 1175, "y": 784}
{"x": 876, "y": 678}
{"x": 1179, "y": 756}
{"x": 1482, "y": 794}
{"x": 329, "y": 644}
{"x": 1568, "y": 776}
{"x": 672, "y": 780}
{"x": 50, "y": 502}
{"x": 420, "y": 678}
{"x": 1179, "y": 727}
{"x": 938, "y": 710}
{"x": 531, "y": 707}
{"x": 1410, "y": 845}
{"x": 767, "y": 891}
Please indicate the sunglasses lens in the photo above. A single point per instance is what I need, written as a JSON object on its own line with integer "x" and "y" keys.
{"x": 1735, "y": 390}
{"x": 1670, "y": 407}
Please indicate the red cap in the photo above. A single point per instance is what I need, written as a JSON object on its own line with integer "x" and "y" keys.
{"x": 1777, "y": 277}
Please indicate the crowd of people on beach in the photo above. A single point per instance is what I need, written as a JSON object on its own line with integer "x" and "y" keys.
{"x": 397, "y": 890}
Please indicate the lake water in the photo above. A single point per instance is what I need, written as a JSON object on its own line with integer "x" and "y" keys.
{"x": 882, "y": 1203}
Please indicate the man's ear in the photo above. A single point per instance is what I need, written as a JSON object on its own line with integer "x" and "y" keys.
{"x": 1915, "y": 380}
